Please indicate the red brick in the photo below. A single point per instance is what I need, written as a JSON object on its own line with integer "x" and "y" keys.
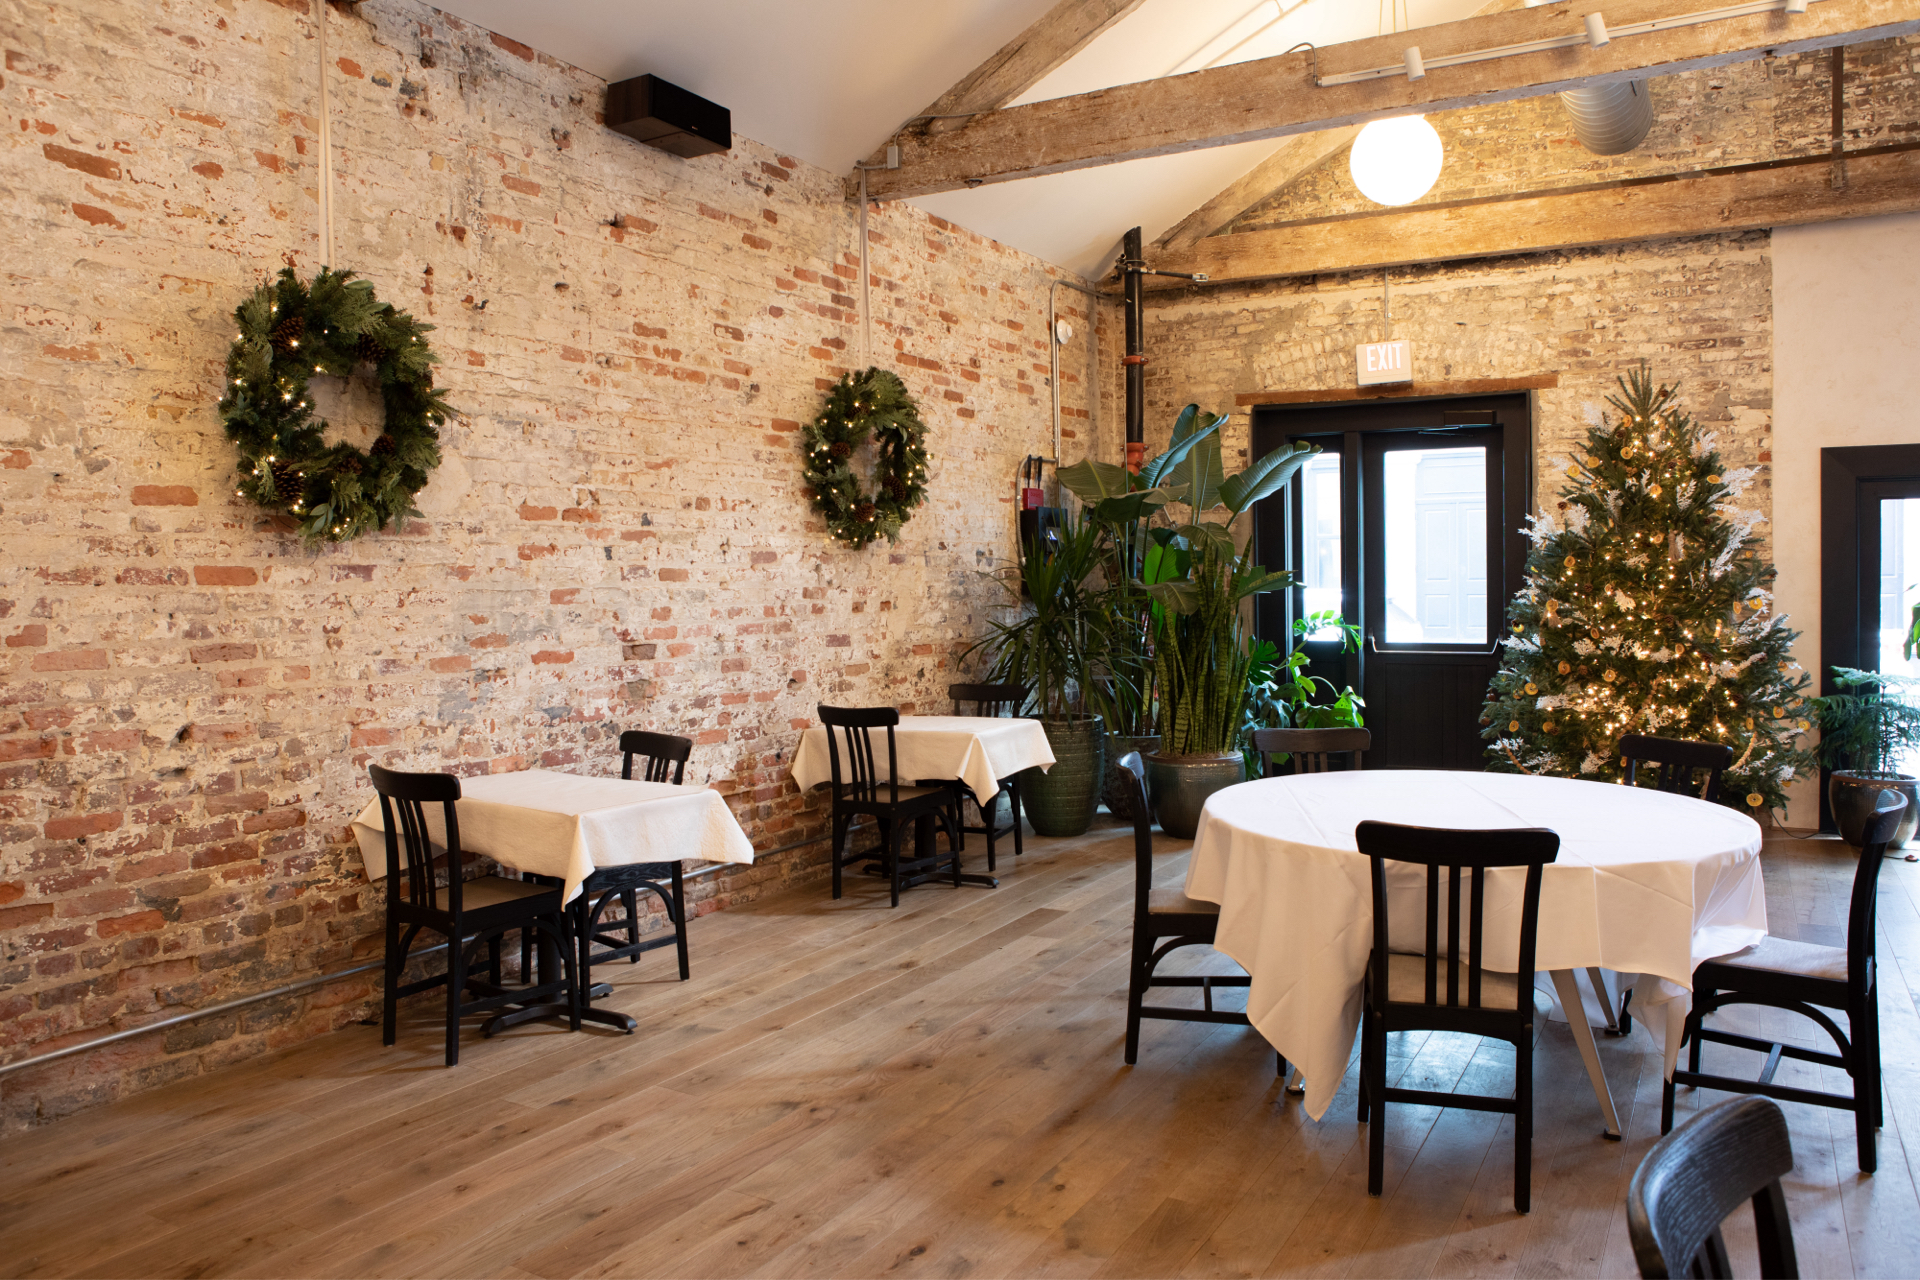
{"x": 28, "y": 637}
{"x": 225, "y": 575}
{"x": 531, "y": 512}
{"x": 87, "y": 824}
{"x": 85, "y": 161}
{"x": 673, "y": 575}
{"x": 560, "y": 656}
{"x": 448, "y": 665}
{"x": 514, "y": 47}
{"x": 138, "y": 922}
{"x": 29, "y": 913}
{"x": 166, "y": 495}
{"x": 71, "y": 660}
{"x": 365, "y": 736}
{"x": 522, "y": 185}
{"x": 223, "y": 652}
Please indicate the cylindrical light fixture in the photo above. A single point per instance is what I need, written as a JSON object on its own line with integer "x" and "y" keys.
{"x": 1396, "y": 161}
{"x": 1416, "y": 66}
{"x": 1597, "y": 31}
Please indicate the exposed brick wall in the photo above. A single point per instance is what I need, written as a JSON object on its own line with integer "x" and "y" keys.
{"x": 617, "y": 539}
{"x": 1698, "y": 310}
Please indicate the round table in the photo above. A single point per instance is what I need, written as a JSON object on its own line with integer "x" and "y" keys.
{"x": 1645, "y": 883}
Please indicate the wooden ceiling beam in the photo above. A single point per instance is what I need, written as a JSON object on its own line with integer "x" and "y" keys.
{"x": 1021, "y": 63}
{"x": 1295, "y": 157}
{"x": 1747, "y": 198}
{"x": 1277, "y": 97}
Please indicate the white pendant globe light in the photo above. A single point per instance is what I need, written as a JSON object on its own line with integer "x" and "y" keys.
{"x": 1396, "y": 161}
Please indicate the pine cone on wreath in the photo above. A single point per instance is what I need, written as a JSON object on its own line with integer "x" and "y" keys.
{"x": 349, "y": 465}
{"x": 287, "y": 483}
{"x": 864, "y": 511}
{"x": 369, "y": 348}
{"x": 839, "y": 449}
{"x": 384, "y": 447}
{"x": 288, "y": 333}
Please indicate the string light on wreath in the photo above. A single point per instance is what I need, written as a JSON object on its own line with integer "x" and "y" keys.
{"x": 289, "y": 331}
{"x": 873, "y": 404}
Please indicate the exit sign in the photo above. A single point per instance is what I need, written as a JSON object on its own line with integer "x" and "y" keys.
{"x": 1384, "y": 362}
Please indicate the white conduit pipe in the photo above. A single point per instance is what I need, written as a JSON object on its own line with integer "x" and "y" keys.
{"x": 1093, "y": 370}
{"x": 326, "y": 141}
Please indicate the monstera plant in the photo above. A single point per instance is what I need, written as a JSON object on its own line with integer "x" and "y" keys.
{"x": 1178, "y": 575}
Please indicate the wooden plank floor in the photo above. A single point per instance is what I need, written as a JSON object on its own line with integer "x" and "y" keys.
{"x": 848, "y": 1090}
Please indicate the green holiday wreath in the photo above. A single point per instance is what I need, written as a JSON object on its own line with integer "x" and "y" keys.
{"x": 871, "y": 404}
{"x": 289, "y": 331}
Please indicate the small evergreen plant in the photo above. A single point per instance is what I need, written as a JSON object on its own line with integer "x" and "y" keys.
{"x": 1648, "y": 609}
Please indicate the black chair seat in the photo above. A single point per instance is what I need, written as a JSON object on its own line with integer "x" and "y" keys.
{"x": 1407, "y": 983}
{"x": 1175, "y": 902}
{"x": 485, "y": 893}
{"x": 906, "y": 797}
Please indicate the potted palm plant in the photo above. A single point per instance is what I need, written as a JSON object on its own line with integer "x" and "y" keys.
{"x": 1054, "y": 649}
{"x": 1863, "y": 734}
{"x": 1192, "y": 579}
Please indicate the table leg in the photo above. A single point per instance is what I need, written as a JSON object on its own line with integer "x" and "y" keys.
{"x": 925, "y": 843}
{"x": 547, "y": 958}
{"x": 1565, "y": 986}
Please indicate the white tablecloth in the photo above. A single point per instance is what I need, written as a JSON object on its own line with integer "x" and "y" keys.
{"x": 978, "y": 750}
{"x": 1645, "y": 883}
{"x": 565, "y": 825}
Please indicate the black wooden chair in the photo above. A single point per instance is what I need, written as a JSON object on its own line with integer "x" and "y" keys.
{"x": 1805, "y": 978}
{"x": 465, "y": 912}
{"x": 989, "y": 700}
{"x": 1437, "y": 991}
{"x": 1696, "y": 1176}
{"x": 664, "y": 759}
{"x": 1676, "y": 761}
{"x": 896, "y": 810}
{"x": 1309, "y": 750}
{"x": 1164, "y": 920}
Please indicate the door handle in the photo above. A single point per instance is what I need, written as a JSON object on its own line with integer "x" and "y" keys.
{"x": 1373, "y": 646}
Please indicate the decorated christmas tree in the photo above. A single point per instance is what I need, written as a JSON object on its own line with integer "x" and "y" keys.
{"x": 1648, "y": 609}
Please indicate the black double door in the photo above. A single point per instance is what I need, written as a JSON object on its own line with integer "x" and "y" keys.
{"x": 1409, "y": 525}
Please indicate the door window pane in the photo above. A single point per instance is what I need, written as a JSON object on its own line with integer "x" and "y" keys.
{"x": 1899, "y": 593}
{"x": 1435, "y": 509}
{"x": 1320, "y": 538}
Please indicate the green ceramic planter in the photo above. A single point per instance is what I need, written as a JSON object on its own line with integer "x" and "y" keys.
{"x": 1061, "y": 801}
{"x": 1181, "y": 784}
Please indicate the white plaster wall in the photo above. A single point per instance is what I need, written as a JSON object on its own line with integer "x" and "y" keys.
{"x": 1846, "y": 324}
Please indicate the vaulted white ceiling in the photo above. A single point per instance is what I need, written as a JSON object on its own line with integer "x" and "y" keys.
{"x": 828, "y": 81}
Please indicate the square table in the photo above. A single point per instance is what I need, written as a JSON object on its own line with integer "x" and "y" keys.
{"x": 565, "y": 825}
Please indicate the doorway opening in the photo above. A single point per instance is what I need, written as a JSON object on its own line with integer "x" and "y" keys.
{"x": 1408, "y": 525}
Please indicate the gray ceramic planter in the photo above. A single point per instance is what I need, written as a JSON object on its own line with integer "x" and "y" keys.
{"x": 1181, "y": 785}
{"x": 1061, "y": 801}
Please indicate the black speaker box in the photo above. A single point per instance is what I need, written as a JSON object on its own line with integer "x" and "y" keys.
{"x": 648, "y": 109}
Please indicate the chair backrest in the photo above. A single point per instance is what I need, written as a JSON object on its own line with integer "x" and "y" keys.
{"x": 861, "y": 780}
{"x": 1454, "y": 852}
{"x": 404, "y": 795}
{"x": 987, "y": 699}
{"x": 1133, "y": 788}
{"x": 1697, "y": 1175}
{"x": 1309, "y": 748}
{"x": 1678, "y": 759}
{"x": 664, "y": 753}
{"x": 1889, "y": 807}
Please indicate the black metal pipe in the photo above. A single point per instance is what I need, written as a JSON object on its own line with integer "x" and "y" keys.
{"x": 1136, "y": 360}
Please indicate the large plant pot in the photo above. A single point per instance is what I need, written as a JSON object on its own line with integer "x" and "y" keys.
{"x": 1114, "y": 793}
{"x": 1181, "y": 785}
{"x": 1851, "y": 797}
{"x": 1061, "y": 801}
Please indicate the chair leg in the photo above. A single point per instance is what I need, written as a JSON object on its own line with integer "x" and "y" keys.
{"x": 631, "y": 902}
{"x": 390, "y": 983}
{"x": 1866, "y": 1088}
{"x": 1366, "y": 1044}
{"x": 986, "y": 820}
{"x": 456, "y": 982}
{"x": 1013, "y": 807}
{"x": 493, "y": 959}
{"x": 1873, "y": 1023}
{"x": 1138, "y": 975}
{"x": 1695, "y": 1021}
{"x": 953, "y": 844}
{"x": 579, "y": 915}
{"x": 1523, "y": 1125}
{"x": 1373, "y": 1063}
{"x": 680, "y": 921}
{"x": 839, "y": 835}
{"x": 894, "y": 833}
